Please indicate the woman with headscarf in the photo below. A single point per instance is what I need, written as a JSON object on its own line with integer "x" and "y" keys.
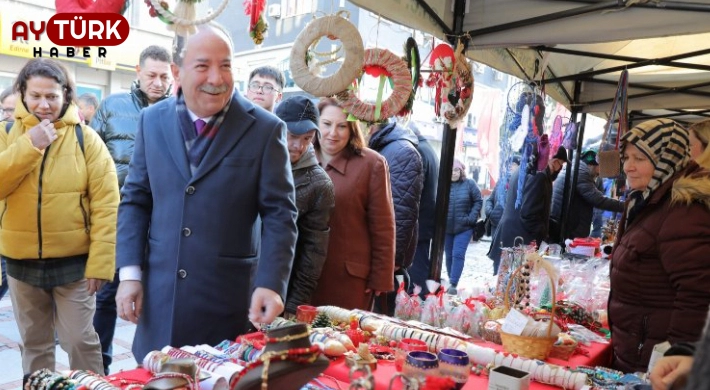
{"x": 660, "y": 270}
{"x": 699, "y": 138}
{"x": 465, "y": 203}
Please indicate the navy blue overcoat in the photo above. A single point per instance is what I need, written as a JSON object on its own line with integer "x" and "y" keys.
{"x": 197, "y": 236}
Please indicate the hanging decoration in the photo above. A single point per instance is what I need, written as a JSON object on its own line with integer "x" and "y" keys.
{"x": 459, "y": 94}
{"x": 442, "y": 68}
{"x": 556, "y": 135}
{"x": 305, "y": 68}
{"x": 414, "y": 65}
{"x": 183, "y": 19}
{"x": 530, "y": 149}
{"x": 257, "y": 22}
{"x": 384, "y": 64}
{"x": 154, "y": 14}
{"x": 90, "y": 6}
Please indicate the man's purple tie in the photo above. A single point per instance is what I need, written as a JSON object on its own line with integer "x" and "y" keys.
{"x": 199, "y": 126}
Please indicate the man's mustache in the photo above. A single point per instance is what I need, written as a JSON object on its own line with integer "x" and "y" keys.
{"x": 214, "y": 90}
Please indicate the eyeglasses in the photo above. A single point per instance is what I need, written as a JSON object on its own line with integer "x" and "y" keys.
{"x": 266, "y": 88}
{"x": 7, "y": 110}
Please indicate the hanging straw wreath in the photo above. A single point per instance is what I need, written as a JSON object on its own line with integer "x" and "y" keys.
{"x": 303, "y": 51}
{"x": 183, "y": 20}
{"x": 90, "y": 6}
{"x": 380, "y": 62}
{"x": 459, "y": 93}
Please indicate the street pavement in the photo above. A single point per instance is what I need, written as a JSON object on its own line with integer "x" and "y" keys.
{"x": 477, "y": 269}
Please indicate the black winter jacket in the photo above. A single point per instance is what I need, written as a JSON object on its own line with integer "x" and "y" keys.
{"x": 530, "y": 221}
{"x": 465, "y": 203}
{"x": 315, "y": 199}
{"x": 494, "y": 208}
{"x": 587, "y": 197}
{"x": 427, "y": 205}
{"x": 398, "y": 146}
{"x": 116, "y": 122}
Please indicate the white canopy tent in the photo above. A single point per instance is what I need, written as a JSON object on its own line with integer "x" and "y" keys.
{"x": 576, "y": 49}
{"x": 665, "y": 45}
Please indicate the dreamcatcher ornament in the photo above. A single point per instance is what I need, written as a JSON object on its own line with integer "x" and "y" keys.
{"x": 91, "y": 6}
{"x": 304, "y": 67}
{"x": 183, "y": 19}
{"x": 257, "y": 22}
{"x": 384, "y": 64}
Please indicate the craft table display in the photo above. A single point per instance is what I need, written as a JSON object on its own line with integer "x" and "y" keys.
{"x": 599, "y": 355}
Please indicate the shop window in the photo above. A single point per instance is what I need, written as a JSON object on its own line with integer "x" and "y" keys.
{"x": 298, "y": 7}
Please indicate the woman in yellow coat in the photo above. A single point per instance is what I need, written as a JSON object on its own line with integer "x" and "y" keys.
{"x": 58, "y": 203}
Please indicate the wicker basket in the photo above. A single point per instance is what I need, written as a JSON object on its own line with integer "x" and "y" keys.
{"x": 529, "y": 347}
{"x": 563, "y": 351}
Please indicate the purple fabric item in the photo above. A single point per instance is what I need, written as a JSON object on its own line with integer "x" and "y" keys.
{"x": 199, "y": 126}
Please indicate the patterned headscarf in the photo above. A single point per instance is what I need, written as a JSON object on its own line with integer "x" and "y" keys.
{"x": 667, "y": 145}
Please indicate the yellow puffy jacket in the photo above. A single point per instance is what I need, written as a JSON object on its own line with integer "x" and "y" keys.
{"x": 60, "y": 202}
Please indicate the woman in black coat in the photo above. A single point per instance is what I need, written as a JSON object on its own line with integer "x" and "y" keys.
{"x": 465, "y": 203}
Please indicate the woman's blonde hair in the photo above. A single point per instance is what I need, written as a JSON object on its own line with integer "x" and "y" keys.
{"x": 702, "y": 132}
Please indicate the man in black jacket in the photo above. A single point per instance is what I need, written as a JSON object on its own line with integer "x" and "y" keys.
{"x": 421, "y": 266}
{"x": 116, "y": 122}
{"x": 398, "y": 146}
{"x": 586, "y": 198}
{"x": 315, "y": 199}
{"x": 530, "y": 219}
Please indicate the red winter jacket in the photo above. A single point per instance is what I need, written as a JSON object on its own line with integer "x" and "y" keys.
{"x": 660, "y": 270}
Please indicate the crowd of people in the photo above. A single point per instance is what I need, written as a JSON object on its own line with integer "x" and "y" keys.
{"x": 183, "y": 199}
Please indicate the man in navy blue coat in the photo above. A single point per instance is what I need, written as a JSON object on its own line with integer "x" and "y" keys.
{"x": 207, "y": 164}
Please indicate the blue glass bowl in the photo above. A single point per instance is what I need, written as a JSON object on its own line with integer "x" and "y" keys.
{"x": 454, "y": 357}
{"x": 422, "y": 360}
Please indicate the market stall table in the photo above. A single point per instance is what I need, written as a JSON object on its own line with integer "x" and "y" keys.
{"x": 599, "y": 355}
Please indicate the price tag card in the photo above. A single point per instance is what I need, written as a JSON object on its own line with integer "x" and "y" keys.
{"x": 515, "y": 322}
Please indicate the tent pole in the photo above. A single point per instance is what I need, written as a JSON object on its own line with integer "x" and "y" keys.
{"x": 566, "y": 190}
{"x": 448, "y": 146}
{"x": 663, "y": 61}
{"x": 581, "y": 53}
{"x": 575, "y": 162}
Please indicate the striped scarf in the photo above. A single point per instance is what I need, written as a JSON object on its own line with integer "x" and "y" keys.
{"x": 667, "y": 146}
{"x": 200, "y": 143}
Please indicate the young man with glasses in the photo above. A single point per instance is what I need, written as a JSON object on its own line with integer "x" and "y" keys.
{"x": 265, "y": 87}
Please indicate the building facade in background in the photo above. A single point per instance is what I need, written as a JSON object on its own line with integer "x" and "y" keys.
{"x": 100, "y": 76}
